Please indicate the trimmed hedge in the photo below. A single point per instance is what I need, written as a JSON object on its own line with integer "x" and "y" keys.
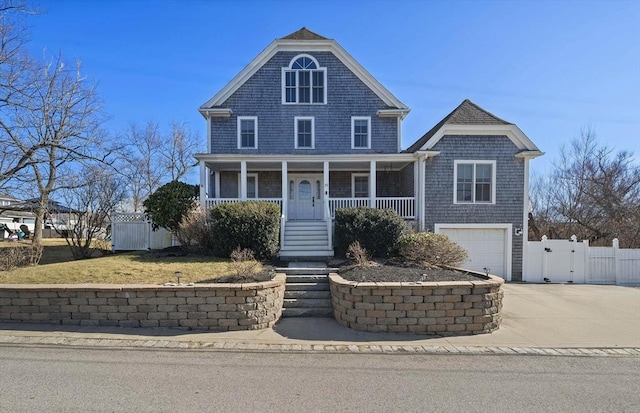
{"x": 250, "y": 224}
{"x": 377, "y": 230}
{"x": 432, "y": 249}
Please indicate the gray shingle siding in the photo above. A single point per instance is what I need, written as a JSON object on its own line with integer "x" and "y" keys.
{"x": 269, "y": 184}
{"x": 261, "y": 96}
{"x": 228, "y": 184}
{"x": 439, "y": 185}
{"x": 406, "y": 181}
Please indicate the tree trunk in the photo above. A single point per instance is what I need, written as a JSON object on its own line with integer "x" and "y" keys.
{"x": 37, "y": 231}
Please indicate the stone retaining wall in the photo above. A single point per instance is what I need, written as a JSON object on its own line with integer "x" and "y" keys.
{"x": 218, "y": 307}
{"x": 446, "y": 308}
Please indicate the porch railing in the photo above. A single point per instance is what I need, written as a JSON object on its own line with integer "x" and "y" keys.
{"x": 337, "y": 203}
{"x": 404, "y": 206}
{"x": 211, "y": 202}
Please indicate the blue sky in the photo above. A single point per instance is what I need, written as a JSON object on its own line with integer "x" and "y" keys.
{"x": 551, "y": 67}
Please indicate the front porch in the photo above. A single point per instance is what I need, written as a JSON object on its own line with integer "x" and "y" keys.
{"x": 310, "y": 190}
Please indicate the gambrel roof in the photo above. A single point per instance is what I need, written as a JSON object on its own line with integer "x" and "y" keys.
{"x": 470, "y": 119}
{"x": 303, "y": 40}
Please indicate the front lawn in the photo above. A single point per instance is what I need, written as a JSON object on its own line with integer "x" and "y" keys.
{"x": 58, "y": 267}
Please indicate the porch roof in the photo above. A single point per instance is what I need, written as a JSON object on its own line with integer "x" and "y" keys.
{"x": 391, "y": 157}
{"x": 307, "y": 162}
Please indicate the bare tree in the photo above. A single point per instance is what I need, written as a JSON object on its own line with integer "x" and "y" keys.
{"x": 152, "y": 158}
{"x": 55, "y": 127}
{"x": 593, "y": 192}
{"x": 179, "y": 150}
{"x": 92, "y": 197}
{"x": 139, "y": 159}
{"x": 14, "y": 63}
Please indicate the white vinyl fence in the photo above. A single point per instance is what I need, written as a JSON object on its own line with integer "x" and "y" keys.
{"x": 133, "y": 232}
{"x": 577, "y": 262}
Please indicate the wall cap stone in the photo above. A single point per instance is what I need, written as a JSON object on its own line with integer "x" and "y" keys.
{"x": 492, "y": 281}
{"x": 277, "y": 280}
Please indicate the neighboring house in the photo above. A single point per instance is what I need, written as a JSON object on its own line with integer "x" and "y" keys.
{"x": 14, "y": 217}
{"x": 307, "y": 127}
{"x": 15, "y": 212}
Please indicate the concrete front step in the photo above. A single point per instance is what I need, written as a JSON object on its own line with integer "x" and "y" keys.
{"x": 307, "y": 287}
{"x": 306, "y": 254}
{"x": 307, "y": 312}
{"x": 307, "y": 294}
{"x": 305, "y": 270}
{"x": 309, "y": 248}
{"x": 307, "y": 278}
{"x": 307, "y": 303}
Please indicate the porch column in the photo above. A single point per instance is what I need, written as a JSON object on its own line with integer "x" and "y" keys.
{"x": 325, "y": 180}
{"x": 417, "y": 202}
{"x": 203, "y": 183}
{"x": 372, "y": 184}
{"x": 243, "y": 180}
{"x": 285, "y": 193}
{"x": 421, "y": 191}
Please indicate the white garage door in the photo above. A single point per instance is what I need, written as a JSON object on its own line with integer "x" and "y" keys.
{"x": 486, "y": 248}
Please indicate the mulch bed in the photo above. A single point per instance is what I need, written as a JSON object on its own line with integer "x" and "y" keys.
{"x": 403, "y": 272}
{"x": 266, "y": 275}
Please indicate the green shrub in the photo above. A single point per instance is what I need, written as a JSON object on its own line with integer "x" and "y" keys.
{"x": 377, "y": 230}
{"x": 252, "y": 224}
{"x": 431, "y": 249}
{"x": 169, "y": 204}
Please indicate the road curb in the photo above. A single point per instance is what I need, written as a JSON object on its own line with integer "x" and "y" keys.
{"x": 359, "y": 348}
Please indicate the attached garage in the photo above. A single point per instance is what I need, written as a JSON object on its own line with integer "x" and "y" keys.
{"x": 488, "y": 246}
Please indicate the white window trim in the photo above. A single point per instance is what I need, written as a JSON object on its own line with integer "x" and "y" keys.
{"x": 289, "y": 69}
{"x": 253, "y": 174}
{"x": 313, "y": 132}
{"x": 353, "y": 184}
{"x": 474, "y": 162}
{"x": 353, "y": 141}
{"x": 239, "y": 127}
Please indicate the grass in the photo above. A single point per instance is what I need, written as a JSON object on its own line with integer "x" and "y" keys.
{"x": 58, "y": 267}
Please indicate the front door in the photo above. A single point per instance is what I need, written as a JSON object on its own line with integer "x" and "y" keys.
{"x": 305, "y": 197}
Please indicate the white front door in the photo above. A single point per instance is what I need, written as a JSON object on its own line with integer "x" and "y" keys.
{"x": 305, "y": 197}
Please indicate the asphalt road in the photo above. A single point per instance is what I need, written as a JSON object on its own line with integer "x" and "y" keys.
{"x": 37, "y": 379}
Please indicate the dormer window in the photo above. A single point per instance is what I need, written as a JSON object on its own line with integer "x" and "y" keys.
{"x": 304, "y": 82}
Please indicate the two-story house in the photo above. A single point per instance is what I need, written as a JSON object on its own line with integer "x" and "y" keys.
{"x": 305, "y": 126}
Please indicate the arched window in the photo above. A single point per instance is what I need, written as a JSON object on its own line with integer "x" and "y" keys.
{"x": 304, "y": 81}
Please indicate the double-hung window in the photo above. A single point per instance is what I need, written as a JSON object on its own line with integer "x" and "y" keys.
{"x": 305, "y": 134}
{"x": 304, "y": 82}
{"x": 474, "y": 182}
{"x": 247, "y": 132}
{"x": 360, "y": 132}
{"x": 360, "y": 185}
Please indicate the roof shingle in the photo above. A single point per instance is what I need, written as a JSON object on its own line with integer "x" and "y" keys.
{"x": 467, "y": 113}
{"x": 304, "y": 34}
